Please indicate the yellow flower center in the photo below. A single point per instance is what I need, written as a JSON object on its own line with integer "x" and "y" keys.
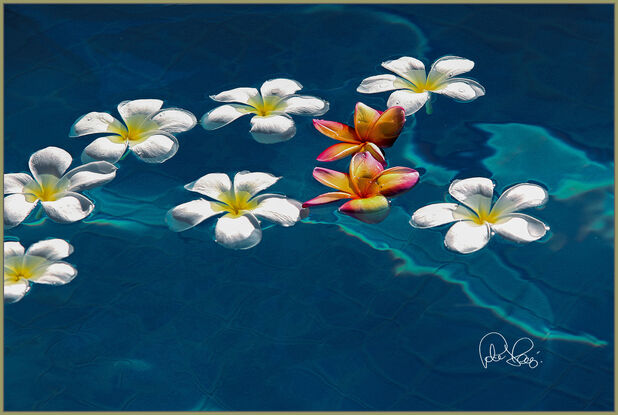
{"x": 237, "y": 203}
{"x": 47, "y": 189}
{"x": 22, "y": 267}
{"x": 137, "y": 130}
{"x": 266, "y": 105}
{"x": 482, "y": 216}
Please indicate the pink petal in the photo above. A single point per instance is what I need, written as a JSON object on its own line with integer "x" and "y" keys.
{"x": 397, "y": 180}
{"x": 326, "y": 198}
{"x": 338, "y": 151}
{"x": 332, "y": 178}
{"x": 369, "y": 210}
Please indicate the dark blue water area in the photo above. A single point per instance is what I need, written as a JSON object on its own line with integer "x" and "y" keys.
{"x": 333, "y": 313}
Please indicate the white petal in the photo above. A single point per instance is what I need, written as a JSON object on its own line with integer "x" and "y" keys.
{"x": 95, "y": 122}
{"x": 409, "y": 100}
{"x": 281, "y": 87}
{"x": 16, "y": 209}
{"x": 475, "y": 192}
{"x": 253, "y": 183}
{"x": 90, "y": 175}
{"x": 13, "y": 249}
{"x": 51, "y": 249}
{"x": 189, "y": 214}
{"x": 281, "y": 210}
{"x": 157, "y": 148}
{"x": 139, "y": 108}
{"x": 241, "y": 95}
{"x": 223, "y": 115}
{"x": 461, "y": 89}
{"x": 50, "y": 160}
{"x": 104, "y": 149}
{"x": 519, "y": 197}
{"x": 438, "y": 214}
{"x": 211, "y": 185}
{"x": 15, "y": 182}
{"x": 520, "y": 228}
{"x": 378, "y": 83}
{"x": 408, "y": 68}
{"x": 69, "y": 208}
{"x": 305, "y": 105}
{"x": 272, "y": 129}
{"x": 447, "y": 67}
{"x": 15, "y": 291}
{"x": 58, "y": 273}
{"x": 466, "y": 237}
{"x": 175, "y": 120}
{"x": 238, "y": 232}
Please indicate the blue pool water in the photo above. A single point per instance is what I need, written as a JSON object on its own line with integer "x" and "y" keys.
{"x": 332, "y": 314}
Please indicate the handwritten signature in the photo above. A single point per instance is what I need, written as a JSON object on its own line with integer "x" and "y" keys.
{"x": 494, "y": 348}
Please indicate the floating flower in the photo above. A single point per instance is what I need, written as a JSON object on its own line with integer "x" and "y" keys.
{"x": 413, "y": 88}
{"x": 39, "y": 264}
{"x": 147, "y": 131}
{"x": 367, "y": 184}
{"x": 271, "y": 105}
{"x": 372, "y": 131}
{"x": 56, "y": 190}
{"x": 239, "y": 228}
{"x": 477, "y": 220}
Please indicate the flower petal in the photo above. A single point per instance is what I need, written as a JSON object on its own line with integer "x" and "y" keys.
{"x": 409, "y": 68}
{"x": 306, "y": 105}
{"x": 326, "y": 198}
{"x": 439, "y": 214}
{"x": 16, "y": 209}
{"x": 51, "y": 249}
{"x": 410, "y": 101}
{"x": 466, "y": 237}
{"x": 139, "y": 108}
{"x": 72, "y": 207}
{"x": 369, "y": 210}
{"x": 378, "y": 83}
{"x": 388, "y": 126}
{"x": 12, "y": 248}
{"x": 238, "y": 232}
{"x": 190, "y": 214}
{"x": 364, "y": 119}
{"x": 50, "y": 160}
{"x": 156, "y": 148}
{"x": 375, "y": 151}
{"x": 58, "y": 273}
{"x": 241, "y": 95}
{"x": 278, "y": 209}
{"x": 519, "y": 197}
{"x": 336, "y": 130}
{"x": 211, "y": 185}
{"x": 332, "y": 178}
{"x": 461, "y": 89}
{"x": 252, "y": 183}
{"x": 223, "y": 115}
{"x": 520, "y": 228}
{"x": 174, "y": 120}
{"x": 364, "y": 166}
{"x": 272, "y": 129}
{"x": 15, "y": 291}
{"x": 281, "y": 87}
{"x": 397, "y": 180}
{"x": 96, "y": 122}
{"x": 475, "y": 192}
{"x": 90, "y": 175}
{"x": 104, "y": 149}
{"x": 447, "y": 67}
{"x": 338, "y": 151}
{"x": 15, "y": 182}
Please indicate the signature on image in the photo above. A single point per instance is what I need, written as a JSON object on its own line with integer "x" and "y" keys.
{"x": 494, "y": 348}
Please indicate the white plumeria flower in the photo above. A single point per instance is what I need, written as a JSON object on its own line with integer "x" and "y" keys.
{"x": 56, "y": 190}
{"x": 271, "y": 105}
{"x": 147, "y": 131}
{"x": 40, "y": 264}
{"x": 239, "y": 228}
{"x": 477, "y": 220}
{"x": 414, "y": 88}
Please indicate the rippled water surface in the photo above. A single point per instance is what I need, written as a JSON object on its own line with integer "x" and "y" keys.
{"x": 332, "y": 314}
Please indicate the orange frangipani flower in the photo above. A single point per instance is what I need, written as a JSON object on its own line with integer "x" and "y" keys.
{"x": 368, "y": 185}
{"x": 372, "y": 131}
